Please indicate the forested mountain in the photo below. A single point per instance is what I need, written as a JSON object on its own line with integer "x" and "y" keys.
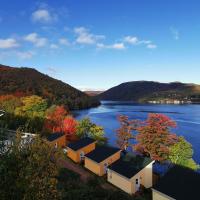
{"x": 28, "y": 81}
{"x": 93, "y": 93}
{"x": 145, "y": 91}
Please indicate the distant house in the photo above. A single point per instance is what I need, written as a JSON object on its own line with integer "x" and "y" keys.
{"x": 77, "y": 150}
{"x": 178, "y": 184}
{"x": 131, "y": 172}
{"x": 98, "y": 160}
{"x": 57, "y": 140}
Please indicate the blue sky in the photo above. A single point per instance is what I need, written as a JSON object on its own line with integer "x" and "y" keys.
{"x": 98, "y": 44}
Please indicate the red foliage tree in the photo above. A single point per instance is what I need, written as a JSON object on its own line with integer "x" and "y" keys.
{"x": 54, "y": 119}
{"x": 69, "y": 126}
{"x": 154, "y": 137}
{"x": 125, "y": 132}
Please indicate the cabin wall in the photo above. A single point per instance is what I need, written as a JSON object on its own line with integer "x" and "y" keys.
{"x": 75, "y": 155}
{"x": 99, "y": 168}
{"x": 119, "y": 181}
{"x": 61, "y": 142}
{"x": 92, "y": 166}
{"x": 109, "y": 161}
{"x": 148, "y": 176}
{"x": 72, "y": 155}
{"x": 128, "y": 185}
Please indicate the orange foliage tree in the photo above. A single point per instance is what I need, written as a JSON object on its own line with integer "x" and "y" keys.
{"x": 54, "y": 119}
{"x": 125, "y": 132}
{"x": 69, "y": 126}
{"x": 154, "y": 137}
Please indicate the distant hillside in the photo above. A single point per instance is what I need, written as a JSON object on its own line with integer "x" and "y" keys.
{"x": 93, "y": 93}
{"x": 28, "y": 81}
{"x": 146, "y": 91}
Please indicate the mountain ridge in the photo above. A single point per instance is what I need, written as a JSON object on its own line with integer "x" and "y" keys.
{"x": 146, "y": 91}
{"x": 29, "y": 81}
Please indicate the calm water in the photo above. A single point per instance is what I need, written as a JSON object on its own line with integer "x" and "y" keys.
{"x": 186, "y": 116}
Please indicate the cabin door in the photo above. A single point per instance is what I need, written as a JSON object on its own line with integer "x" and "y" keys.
{"x": 137, "y": 184}
{"x": 82, "y": 155}
{"x": 105, "y": 167}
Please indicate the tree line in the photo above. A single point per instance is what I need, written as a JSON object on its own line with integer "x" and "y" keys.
{"x": 153, "y": 138}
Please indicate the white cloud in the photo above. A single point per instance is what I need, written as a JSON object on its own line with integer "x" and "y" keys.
{"x": 51, "y": 70}
{"x": 175, "y": 33}
{"x": 54, "y": 46}
{"x": 85, "y": 37}
{"x": 64, "y": 41}
{"x": 25, "y": 55}
{"x": 131, "y": 39}
{"x": 44, "y": 16}
{"x": 36, "y": 40}
{"x": 145, "y": 42}
{"x": 8, "y": 43}
{"x": 117, "y": 46}
{"x": 151, "y": 46}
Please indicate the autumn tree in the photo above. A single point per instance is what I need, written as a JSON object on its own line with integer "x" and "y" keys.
{"x": 32, "y": 106}
{"x": 125, "y": 132}
{"x": 154, "y": 137}
{"x": 85, "y": 128}
{"x": 9, "y": 103}
{"x": 181, "y": 154}
{"x": 69, "y": 126}
{"x": 27, "y": 172}
{"x": 54, "y": 119}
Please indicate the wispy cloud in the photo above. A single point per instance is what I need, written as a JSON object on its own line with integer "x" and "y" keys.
{"x": 43, "y": 15}
{"x": 85, "y": 37}
{"x": 52, "y": 71}
{"x": 133, "y": 40}
{"x": 35, "y": 39}
{"x": 117, "y": 46}
{"x": 24, "y": 55}
{"x": 64, "y": 41}
{"x": 54, "y": 46}
{"x": 175, "y": 33}
{"x": 151, "y": 46}
{"x": 8, "y": 43}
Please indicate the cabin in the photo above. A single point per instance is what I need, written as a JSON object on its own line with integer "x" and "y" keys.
{"x": 130, "y": 173}
{"x": 57, "y": 140}
{"x": 98, "y": 160}
{"x": 178, "y": 183}
{"x": 77, "y": 150}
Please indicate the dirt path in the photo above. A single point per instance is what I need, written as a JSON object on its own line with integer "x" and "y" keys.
{"x": 84, "y": 175}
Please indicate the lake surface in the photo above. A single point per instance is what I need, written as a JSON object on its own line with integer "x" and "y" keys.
{"x": 186, "y": 116}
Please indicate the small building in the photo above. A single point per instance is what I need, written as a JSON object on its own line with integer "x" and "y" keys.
{"x": 57, "y": 140}
{"x": 178, "y": 183}
{"x": 131, "y": 172}
{"x": 77, "y": 150}
{"x": 98, "y": 160}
